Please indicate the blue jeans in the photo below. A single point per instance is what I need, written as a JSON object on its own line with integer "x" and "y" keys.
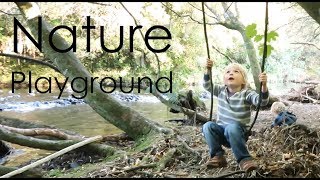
{"x": 231, "y": 135}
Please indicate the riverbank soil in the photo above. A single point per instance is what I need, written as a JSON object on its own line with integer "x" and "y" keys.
{"x": 286, "y": 151}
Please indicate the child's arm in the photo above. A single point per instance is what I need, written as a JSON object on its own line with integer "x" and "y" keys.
{"x": 216, "y": 88}
{"x": 253, "y": 97}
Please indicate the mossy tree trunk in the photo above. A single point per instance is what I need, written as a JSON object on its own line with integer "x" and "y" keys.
{"x": 123, "y": 117}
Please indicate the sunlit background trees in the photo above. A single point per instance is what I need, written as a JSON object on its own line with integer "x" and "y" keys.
{"x": 294, "y": 55}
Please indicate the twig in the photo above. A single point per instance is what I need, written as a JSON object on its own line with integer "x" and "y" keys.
{"x": 200, "y": 10}
{"x": 136, "y": 22}
{"x": 100, "y": 3}
{"x": 223, "y": 54}
{"x": 228, "y": 7}
{"x": 310, "y": 44}
{"x": 9, "y": 13}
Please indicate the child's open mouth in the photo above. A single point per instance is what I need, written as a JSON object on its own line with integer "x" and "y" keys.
{"x": 231, "y": 78}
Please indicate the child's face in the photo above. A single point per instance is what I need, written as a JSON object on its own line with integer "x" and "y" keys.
{"x": 233, "y": 77}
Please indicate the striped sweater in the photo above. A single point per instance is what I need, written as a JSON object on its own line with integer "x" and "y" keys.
{"x": 236, "y": 108}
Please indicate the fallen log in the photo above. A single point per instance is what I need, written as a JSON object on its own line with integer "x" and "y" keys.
{"x": 17, "y": 123}
{"x": 55, "y": 145}
{"x": 32, "y": 173}
{"x": 43, "y": 132}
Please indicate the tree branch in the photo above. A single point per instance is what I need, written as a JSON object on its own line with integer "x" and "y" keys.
{"x": 220, "y": 22}
{"x": 314, "y": 32}
{"x": 37, "y": 61}
{"x": 310, "y": 44}
{"x": 10, "y": 14}
{"x": 237, "y": 10}
{"x": 228, "y": 7}
{"x": 222, "y": 54}
{"x": 136, "y": 22}
{"x": 100, "y": 3}
{"x": 201, "y": 10}
{"x": 231, "y": 16}
{"x": 187, "y": 15}
{"x": 294, "y": 20}
{"x": 213, "y": 12}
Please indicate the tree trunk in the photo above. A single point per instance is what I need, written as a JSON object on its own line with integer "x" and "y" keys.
{"x": 313, "y": 9}
{"x": 251, "y": 51}
{"x": 123, "y": 117}
{"x": 233, "y": 23}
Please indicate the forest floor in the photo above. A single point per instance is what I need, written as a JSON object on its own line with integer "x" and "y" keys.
{"x": 286, "y": 151}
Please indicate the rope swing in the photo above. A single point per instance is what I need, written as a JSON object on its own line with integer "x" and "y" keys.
{"x": 262, "y": 67}
{"x": 208, "y": 53}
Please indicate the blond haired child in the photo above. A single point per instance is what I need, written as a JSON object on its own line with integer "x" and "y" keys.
{"x": 282, "y": 115}
{"x": 233, "y": 116}
{"x": 277, "y": 107}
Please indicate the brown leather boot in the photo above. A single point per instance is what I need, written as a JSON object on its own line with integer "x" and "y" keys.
{"x": 217, "y": 162}
{"x": 248, "y": 165}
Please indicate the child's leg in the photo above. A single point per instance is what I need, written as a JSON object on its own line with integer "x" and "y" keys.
{"x": 234, "y": 134}
{"x": 213, "y": 134}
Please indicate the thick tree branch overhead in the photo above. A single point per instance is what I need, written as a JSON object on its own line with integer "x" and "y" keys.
{"x": 312, "y": 8}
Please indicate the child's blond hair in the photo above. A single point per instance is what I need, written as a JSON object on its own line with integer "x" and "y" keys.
{"x": 277, "y": 107}
{"x": 242, "y": 72}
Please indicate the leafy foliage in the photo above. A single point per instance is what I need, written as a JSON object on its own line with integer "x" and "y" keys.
{"x": 187, "y": 43}
{"x": 251, "y": 32}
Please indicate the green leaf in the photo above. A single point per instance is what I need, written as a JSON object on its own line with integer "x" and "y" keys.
{"x": 269, "y": 49}
{"x": 258, "y": 38}
{"x": 272, "y": 35}
{"x": 251, "y": 30}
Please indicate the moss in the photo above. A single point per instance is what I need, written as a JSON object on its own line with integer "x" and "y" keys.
{"x": 145, "y": 142}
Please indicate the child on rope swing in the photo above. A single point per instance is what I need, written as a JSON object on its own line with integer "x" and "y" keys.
{"x": 233, "y": 116}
